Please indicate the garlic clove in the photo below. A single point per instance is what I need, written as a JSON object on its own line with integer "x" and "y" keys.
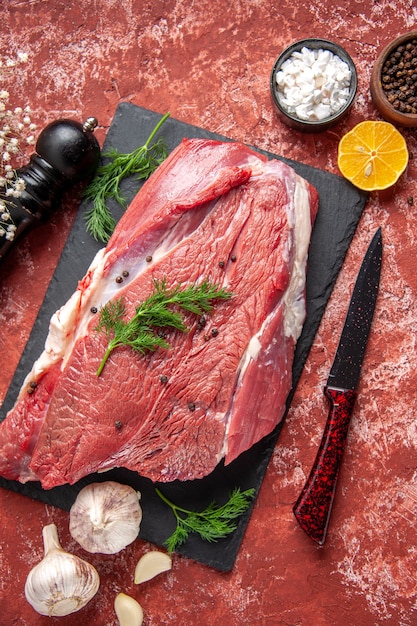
{"x": 61, "y": 583}
{"x": 151, "y": 564}
{"x": 129, "y": 612}
{"x": 105, "y": 517}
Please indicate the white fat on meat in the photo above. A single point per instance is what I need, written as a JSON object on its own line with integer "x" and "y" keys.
{"x": 66, "y": 325}
{"x": 298, "y": 212}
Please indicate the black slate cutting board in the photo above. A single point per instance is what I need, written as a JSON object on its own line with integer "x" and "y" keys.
{"x": 340, "y": 208}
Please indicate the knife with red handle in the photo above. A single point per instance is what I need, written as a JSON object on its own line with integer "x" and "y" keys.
{"x": 313, "y": 507}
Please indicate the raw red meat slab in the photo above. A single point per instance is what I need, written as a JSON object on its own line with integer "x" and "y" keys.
{"x": 208, "y": 203}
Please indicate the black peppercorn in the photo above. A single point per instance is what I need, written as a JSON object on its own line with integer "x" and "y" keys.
{"x": 399, "y": 80}
{"x": 202, "y": 322}
{"x": 32, "y": 386}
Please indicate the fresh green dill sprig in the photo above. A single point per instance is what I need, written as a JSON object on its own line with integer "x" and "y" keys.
{"x": 106, "y": 183}
{"x": 212, "y": 524}
{"x": 155, "y": 312}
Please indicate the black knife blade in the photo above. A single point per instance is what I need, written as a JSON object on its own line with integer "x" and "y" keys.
{"x": 313, "y": 507}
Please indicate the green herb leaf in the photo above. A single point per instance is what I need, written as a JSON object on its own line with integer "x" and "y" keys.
{"x": 159, "y": 310}
{"x": 212, "y": 524}
{"x": 106, "y": 183}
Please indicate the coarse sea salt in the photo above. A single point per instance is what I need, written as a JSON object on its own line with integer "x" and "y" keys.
{"x": 313, "y": 84}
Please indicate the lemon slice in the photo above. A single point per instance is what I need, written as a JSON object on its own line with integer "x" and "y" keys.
{"x": 373, "y": 155}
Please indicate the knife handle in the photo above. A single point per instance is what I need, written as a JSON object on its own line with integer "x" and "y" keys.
{"x": 313, "y": 507}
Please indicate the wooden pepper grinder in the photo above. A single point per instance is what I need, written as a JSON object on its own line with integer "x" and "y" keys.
{"x": 66, "y": 153}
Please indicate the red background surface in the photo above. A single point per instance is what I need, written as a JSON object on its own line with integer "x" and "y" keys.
{"x": 208, "y": 63}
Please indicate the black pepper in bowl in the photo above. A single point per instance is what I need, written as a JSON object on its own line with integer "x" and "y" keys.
{"x": 399, "y": 77}
{"x": 394, "y": 81}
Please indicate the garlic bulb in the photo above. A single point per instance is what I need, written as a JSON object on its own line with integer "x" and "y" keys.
{"x": 105, "y": 517}
{"x": 151, "y": 564}
{"x": 61, "y": 583}
{"x": 129, "y": 612}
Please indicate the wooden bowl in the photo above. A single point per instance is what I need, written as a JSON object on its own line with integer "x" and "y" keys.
{"x": 389, "y": 112}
